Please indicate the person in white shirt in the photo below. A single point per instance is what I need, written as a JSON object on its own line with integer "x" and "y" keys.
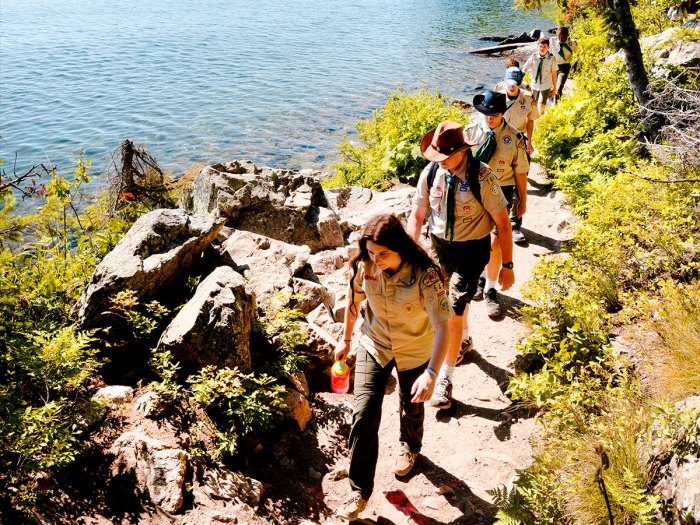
{"x": 563, "y": 48}
{"x": 542, "y": 66}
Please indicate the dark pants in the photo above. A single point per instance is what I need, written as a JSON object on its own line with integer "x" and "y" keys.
{"x": 515, "y": 221}
{"x": 370, "y": 383}
{"x": 562, "y": 75}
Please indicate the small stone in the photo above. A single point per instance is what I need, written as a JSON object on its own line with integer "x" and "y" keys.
{"x": 446, "y": 490}
{"x": 284, "y": 461}
{"x": 338, "y": 474}
{"x": 224, "y": 518}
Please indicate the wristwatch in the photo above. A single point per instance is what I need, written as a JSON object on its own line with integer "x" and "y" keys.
{"x": 508, "y": 265}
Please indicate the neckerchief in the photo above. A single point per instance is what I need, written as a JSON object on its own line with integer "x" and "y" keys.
{"x": 562, "y": 47}
{"x": 450, "y": 222}
{"x": 488, "y": 148}
{"x": 538, "y": 76}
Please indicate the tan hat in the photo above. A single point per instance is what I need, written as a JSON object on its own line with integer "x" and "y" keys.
{"x": 443, "y": 142}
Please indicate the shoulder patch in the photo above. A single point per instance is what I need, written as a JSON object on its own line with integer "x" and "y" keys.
{"x": 431, "y": 278}
{"x": 483, "y": 173}
{"x": 495, "y": 188}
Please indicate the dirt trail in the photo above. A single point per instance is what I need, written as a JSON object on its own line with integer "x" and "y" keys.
{"x": 479, "y": 442}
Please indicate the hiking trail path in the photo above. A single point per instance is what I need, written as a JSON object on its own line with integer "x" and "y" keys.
{"x": 482, "y": 439}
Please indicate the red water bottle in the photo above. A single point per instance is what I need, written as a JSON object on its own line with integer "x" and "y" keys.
{"x": 340, "y": 377}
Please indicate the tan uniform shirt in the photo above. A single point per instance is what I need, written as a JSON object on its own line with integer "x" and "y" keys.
{"x": 510, "y": 156}
{"x": 400, "y": 313}
{"x": 522, "y": 109}
{"x": 472, "y": 220}
{"x": 549, "y": 67}
{"x": 555, "y": 46}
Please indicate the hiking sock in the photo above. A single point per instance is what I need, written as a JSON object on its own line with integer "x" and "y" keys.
{"x": 447, "y": 371}
{"x": 489, "y": 284}
{"x": 465, "y": 334}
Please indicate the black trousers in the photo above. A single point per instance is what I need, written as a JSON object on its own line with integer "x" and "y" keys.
{"x": 370, "y": 383}
{"x": 562, "y": 75}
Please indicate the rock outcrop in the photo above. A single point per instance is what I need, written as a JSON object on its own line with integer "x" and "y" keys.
{"x": 213, "y": 328}
{"x": 157, "y": 249}
{"x": 289, "y": 206}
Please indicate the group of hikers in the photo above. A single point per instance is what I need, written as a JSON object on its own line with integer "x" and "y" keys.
{"x": 414, "y": 305}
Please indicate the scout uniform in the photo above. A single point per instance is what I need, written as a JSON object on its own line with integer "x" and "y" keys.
{"x": 541, "y": 69}
{"x": 401, "y": 310}
{"x": 562, "y": 51}
{"x": 521, "y": 109}
{"x": 472, "y": 220}
{"x": 510, "y": 156}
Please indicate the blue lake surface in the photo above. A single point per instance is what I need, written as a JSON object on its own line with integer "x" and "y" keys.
{"x": 206, "y": 81}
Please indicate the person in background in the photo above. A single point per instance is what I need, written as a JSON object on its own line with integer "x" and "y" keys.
{"x": 563, "y": 48}
{"x": 460, "y": 224}
{"x": 542, "y": 67}
{"x": 405, "y": 327}
{"x": 677, "y": 13}
{"x": 521, "y": 114}
{"x": 502, "y": 147}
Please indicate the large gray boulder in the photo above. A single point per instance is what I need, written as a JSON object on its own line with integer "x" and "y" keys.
{"x": 356, "y": 205}
{"x": 286, "y": 205}
{"x": 159, "y": 467}
{"x": 154, "y": 253}
{"x": 213, "y": 328}
{"x": 267, "y": 264}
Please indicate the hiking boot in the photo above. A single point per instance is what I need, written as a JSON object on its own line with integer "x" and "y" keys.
{"x": 405, "y": 460}
{"x": 351, "y": 507}
{"x": 466, "y": 347}
{"x": 442, "y": 395}
{"x": 493, "y": 309}
{"x": 479, "y": 295}
{"x": 518, "y": 236}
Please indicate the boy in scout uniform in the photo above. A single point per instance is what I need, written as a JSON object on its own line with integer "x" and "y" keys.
{"x": 521, "y": 114}
{"x": 563, "y": 48}
{"x": 542, "y": 66}
{"x": 503, "y": 148}
{"x": 460, "y": 226}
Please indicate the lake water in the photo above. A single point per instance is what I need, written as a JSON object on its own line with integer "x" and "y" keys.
{"x": 276, "y": 82}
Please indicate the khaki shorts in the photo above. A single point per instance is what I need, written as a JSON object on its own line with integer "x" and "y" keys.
{"x": 541, "y": 97}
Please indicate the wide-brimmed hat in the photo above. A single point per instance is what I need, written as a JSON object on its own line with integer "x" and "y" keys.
{"x": 490, "y": 103}
{"x": 443, "y": 142}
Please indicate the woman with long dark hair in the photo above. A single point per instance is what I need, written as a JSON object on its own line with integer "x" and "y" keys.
{"x": 405, "y": 326}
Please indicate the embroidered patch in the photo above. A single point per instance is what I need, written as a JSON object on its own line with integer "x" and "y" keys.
{"x": 501, "y": 170}
{"x": 463, "y": 186}
{"x": 431, "y": 278}
{"x": 507, "y": 139}
{"x": 483, "y": 173}
{"x": 441, "y": 293}
{"x": 523, "y": 106}
{"x": 467, "y": 220}
{"x": 495, "y": 189}
{"x": 436, "y": 193}
{"x": 466, "y": 208}
{"x": 444, "y": 305}
{"x": 502, "y": 162}
{"x": 370, "y": 277}
{"x": 409, "y": 308}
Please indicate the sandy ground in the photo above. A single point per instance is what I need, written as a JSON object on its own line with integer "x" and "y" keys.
{"x": 482, "y": 439}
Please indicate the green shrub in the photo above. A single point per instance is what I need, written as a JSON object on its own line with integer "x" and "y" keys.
{"x": 390, "y": 141}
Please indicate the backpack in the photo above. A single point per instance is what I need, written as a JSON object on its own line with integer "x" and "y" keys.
{"x": 472, "y": 176}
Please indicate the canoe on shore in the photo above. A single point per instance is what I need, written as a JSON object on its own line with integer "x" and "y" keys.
{"x": 498, "y": 49}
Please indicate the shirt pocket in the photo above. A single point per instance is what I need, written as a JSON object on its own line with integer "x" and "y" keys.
{"x": 465, "y": 204}
{"x": 372, "y": 287}
{"x": 408, "y": 299}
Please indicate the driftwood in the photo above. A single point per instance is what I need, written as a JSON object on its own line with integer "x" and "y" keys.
{"x": 497, "y": 49}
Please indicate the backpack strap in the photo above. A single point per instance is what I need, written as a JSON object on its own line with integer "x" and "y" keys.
{"x": 431, "y": 174}
{"x": 474, "y": 167}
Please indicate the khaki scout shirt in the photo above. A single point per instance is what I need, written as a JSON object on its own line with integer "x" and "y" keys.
{"x": 472, "y": 220}
{"x": 510, "y": 156}
{"x": 555, "y": 46}
{"x": 521, "y": 109}
{"x": 549, "y": 67}
{"x": 400, "y": 313}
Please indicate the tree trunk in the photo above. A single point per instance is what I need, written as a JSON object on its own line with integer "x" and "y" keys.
{"x": 626, "y": 37}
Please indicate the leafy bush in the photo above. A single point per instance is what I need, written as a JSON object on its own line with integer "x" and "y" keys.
{"x": 390, "y": 149}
